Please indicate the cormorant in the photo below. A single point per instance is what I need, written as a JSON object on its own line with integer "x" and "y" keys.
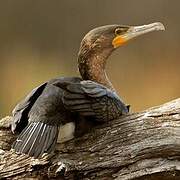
{"x": 62, "y": 104}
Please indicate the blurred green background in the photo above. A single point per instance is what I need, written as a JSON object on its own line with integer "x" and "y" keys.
{"x": 39, "y": 40}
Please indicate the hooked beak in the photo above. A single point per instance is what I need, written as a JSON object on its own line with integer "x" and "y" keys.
{"x": 135, "y": 31}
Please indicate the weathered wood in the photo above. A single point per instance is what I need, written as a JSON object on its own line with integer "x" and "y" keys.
{"x": 143, "y": 145}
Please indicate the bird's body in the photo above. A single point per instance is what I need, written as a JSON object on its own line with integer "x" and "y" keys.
{"x": 48, "y": 112}
{"x": 69, "y": 106}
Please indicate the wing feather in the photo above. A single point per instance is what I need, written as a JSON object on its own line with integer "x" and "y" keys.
{"x": 89, "y": 98}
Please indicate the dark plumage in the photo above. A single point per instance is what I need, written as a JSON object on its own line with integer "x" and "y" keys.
{"x": 64, "y": 104}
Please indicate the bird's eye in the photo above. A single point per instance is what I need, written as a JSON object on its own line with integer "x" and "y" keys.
{"x": 118, "y": 31}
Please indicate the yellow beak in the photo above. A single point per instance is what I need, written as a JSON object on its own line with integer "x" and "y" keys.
{"x": 135, "y": 31}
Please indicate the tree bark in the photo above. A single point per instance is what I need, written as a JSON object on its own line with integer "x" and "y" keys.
{"x": 142, "y": 145}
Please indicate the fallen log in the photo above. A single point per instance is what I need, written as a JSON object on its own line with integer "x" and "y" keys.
{"x": 142, "y": 145}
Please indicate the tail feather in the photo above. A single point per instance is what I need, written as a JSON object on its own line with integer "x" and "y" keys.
{"x": 42, "y": 139}
{"x": 51, "y": 138}
{"x": 18, "y": 144}
{"x": 34, "y": 140}
{"x": 37, "y": 138}
{"x": 47, "y": 140}
{"x": 26, "y": 145}
{"x": 51, "y": 147}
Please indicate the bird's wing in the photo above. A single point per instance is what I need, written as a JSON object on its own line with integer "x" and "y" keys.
{"x": 36, "y": 139}
{"x": 20, "y": 112}
{"x": 44, "y": 111}
{"x": 92, "y": 99}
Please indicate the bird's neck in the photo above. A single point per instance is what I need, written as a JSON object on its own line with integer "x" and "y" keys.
{"x": 91, "y": 66}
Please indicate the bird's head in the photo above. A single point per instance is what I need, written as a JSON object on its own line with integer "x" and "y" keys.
{"x": 110, "y": 37}
{"x": 99, "y": 43}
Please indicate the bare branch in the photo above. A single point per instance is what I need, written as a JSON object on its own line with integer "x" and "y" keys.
{"x": 141, "y": 145}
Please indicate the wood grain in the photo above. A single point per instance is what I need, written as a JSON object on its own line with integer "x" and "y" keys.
{"x": 142, "y": 145}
